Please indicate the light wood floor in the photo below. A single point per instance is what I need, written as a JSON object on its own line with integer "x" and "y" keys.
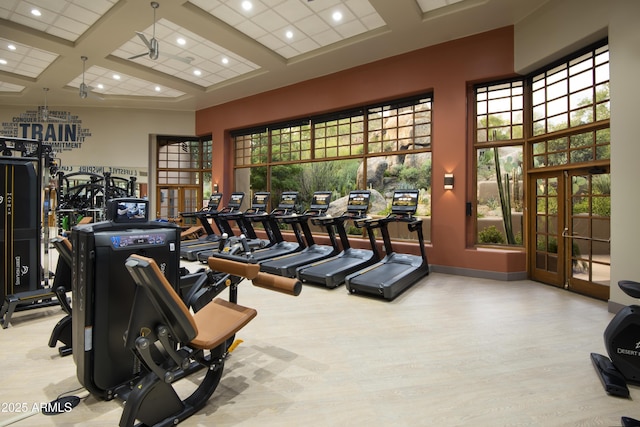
{"x": 451, "y": 351}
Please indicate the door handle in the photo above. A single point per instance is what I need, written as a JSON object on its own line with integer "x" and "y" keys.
{"x": 565, "y": 233}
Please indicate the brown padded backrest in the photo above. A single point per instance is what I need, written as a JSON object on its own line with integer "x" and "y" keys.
{"x": 63, "y": 246}
{"x": 67, "y": 243}
{"x": 85, "y": 220}
{"x": 146, "y": 273}
{"x": 210, "y": 327}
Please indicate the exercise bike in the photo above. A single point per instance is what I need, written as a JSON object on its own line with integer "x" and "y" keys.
{"x": 622, "y": 342}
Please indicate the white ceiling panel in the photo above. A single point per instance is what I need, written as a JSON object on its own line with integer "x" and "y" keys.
{"x": 237, "y": 51}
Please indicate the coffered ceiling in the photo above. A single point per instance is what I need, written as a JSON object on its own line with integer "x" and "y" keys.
{"x": 213, "y": 51}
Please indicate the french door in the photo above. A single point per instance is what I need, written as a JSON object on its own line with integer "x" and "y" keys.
{"x": 569, "y": 233}
{"x": 174, "y": 199}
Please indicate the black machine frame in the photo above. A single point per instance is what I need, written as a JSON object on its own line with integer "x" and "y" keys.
{"x": 396, "y": 272}
{"x": 26, "y": 164}
{"x": 331, "y": 272}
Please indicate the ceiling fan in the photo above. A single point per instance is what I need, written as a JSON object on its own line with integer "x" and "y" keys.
{"x": 153, "y": 47}
{"x": 84, "y": 89}
{"x": 50, "y": 116}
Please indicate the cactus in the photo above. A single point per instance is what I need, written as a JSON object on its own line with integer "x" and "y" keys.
{"x": 505, "y": 199}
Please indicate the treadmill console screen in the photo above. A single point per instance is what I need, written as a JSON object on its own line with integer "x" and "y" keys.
{"x": 128, "y": 210}
{"x": 214, "y": 201}
{"x": 235, "y": 201}
{"x": 404, "y": 202}
{"x": 260, "y": 200}
{"x": 288, "y": 200}
{"x": 321, "y": 200}
{"x": 358, "y": 201}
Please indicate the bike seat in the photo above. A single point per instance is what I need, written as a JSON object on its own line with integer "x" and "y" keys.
{"x": 630, "y": 288}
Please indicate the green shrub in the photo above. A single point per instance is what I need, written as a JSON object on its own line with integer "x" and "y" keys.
{"x": 490, "y": 235}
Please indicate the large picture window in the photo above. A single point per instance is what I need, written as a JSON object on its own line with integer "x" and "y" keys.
{"x": 499, "y": 139}
{"x": 379, "y": 147}
{"x": 565, "y": 124}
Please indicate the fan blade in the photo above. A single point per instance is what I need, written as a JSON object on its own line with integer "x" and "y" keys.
{"x": 94, "y": 95}
{"x": 144, "y": 40}
{"x": 140, "y": 55}
{"x": 185, "y": 59}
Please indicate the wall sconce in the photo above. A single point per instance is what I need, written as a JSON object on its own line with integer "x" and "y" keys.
{"x": 448, "y": 181}
{"x": 215, "y": 187}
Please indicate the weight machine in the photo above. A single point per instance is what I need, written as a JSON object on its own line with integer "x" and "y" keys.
{"x": 25, "y": 205}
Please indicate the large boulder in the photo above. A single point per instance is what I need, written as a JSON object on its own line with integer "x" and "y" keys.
{"x": 377, "y": 204}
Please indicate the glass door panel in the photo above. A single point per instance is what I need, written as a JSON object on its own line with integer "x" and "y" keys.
{"x": 545, "y": 264}
{"x": 588, "y": 232}
{"x": 167, "y": 202}
{"x": 569, "y": 240}
{"x": 175, "y": 199}
{"x": 189, "y": 203}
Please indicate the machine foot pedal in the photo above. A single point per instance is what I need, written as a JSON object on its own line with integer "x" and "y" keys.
{"x": 630, "y": 422}
{"x": 612, "y": 380}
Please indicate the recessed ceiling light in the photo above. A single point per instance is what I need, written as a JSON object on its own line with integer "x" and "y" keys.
{"x": 11, "y": 47}
{"x": 100, "y": 86}
{"x": 36, "y": 12}
{"x": 225, "y": 60}
{"x": 289, "y": 34}
{"x": 158, "y": 89}
{"x": 116, "y": 76}
{"x": 197, "y": 72}
{"x": 337, "y": 16}
{"x": 181, "y": 41}
{"x": 3, "y": 62}
{"x": 246, "y": 5}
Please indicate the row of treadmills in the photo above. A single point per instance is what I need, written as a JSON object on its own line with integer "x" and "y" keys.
{"x": 361, "y": 270}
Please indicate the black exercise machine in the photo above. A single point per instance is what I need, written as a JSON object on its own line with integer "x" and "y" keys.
{"x": 241, "y": 250}
{"x": 202, "y": 217}
{"x": 395, "y": 272}
{"x": 62, "y": 284}
{"x": 230, "y": 243}
{"x": 621, "y": 342}
{"x": 332, "y": 271}
{"x": 102, "y": 289}
{"x": 259, "y": 203}
{"x": 171, "y": 344}
{"x": 190, "y": 250}
{"x": 195, "y": 289}
{"x": 25, "y": 165}
{"x": 133, "y": 336}
{"x": 286, "y": 265}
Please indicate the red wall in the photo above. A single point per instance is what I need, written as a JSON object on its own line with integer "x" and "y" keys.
{"x": 447, "y": 70}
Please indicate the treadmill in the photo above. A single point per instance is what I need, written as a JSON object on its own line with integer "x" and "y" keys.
{"x": 286, "y": 265}
{"x": 241, "y": 251}
{"x": 248, "y": 236}
{"x": 395, "y": 272}
{"x": 332, "y": 271}
{"x": 201, "y": 216}
{"x": 190, "y": 251}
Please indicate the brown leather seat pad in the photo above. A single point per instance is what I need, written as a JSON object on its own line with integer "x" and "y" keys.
{"x": 218, "y": 321}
